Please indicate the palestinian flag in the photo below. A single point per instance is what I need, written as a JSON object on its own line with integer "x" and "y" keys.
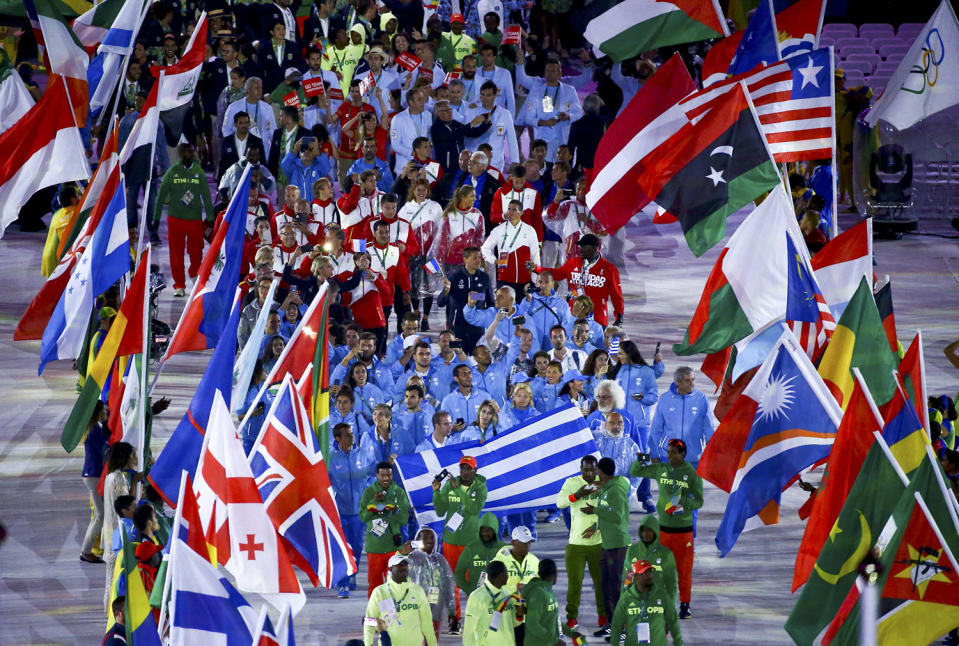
{"x": 634, "y": 26}
{"x": 869, "y": 504}
{"x": 710, "y": 169}
{"x": 884, "y": 305}
{"x": 125, "y": 337}
{"x": 859, "y": 341}
{"x": 91, "y": 27}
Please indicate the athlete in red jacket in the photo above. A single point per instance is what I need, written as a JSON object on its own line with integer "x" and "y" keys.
{"x": 594, "y": 276}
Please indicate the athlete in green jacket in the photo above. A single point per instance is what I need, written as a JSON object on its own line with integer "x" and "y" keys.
{"x": 542, "y": 610}
{"x": 492, "y": 613}
{"x": 403, "y": 606}
{"x": 478, "y": 554}
{"x": 648, "y": 548}
{"x": 645, "y": 612}
{"x": 612, "y": 520}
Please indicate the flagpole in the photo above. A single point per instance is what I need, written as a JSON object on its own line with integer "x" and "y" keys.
{"x": 922, "y": 380}
{"x": 123, "y": 73}
{"x": 832, "y": 126}
{"x": 174, "y": 538}
{"x": 869, "y": 601}
{"x": 144, "y": 362}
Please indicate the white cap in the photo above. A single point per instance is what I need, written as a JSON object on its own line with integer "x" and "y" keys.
{"x": 396, "y": 559}
{"x": 522, "y": 534}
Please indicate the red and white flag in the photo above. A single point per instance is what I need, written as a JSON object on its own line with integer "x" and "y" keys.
{"x": 651, "y": 117}
{"x": 367, "y": 83}
{"x": 842, "y": 264}
{"x": 234, "y": 518}
{"x": 42, "y": 149}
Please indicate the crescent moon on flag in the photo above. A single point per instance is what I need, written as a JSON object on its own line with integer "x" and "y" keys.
{"x": 850, "y": 565}
{"x": 722, "y": 150}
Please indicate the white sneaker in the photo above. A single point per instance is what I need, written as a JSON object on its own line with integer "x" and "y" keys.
{"x": 179, "y": 292}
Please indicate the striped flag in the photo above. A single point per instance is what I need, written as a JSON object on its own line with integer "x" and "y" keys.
{"x": 631, "y": 27}
{"x": 358, "y": 246}
{"x": 246, "y": 360}
{"x": 42, "y": 148}
{"x": 433, "y": 267}
{"x": 843, "y": 263}
{"x": 62, "y": 52}
{"x": 15, "y": 98}
{"x": 110, "y": 27}
{"x": 794, "y": 102}
{"x": 524, "y": 467}
{"x": 648, "y": 120}
{"x": 102, "y": 264}
{"x": 124, "y": 338}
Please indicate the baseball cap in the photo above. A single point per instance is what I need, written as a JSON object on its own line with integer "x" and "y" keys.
{"x": 468, "y": 459}
{"x": 292, "y": 72}
{"x": 588, "y": 239}
{"x": 641, "y": 566}
{"x": 839, "y": 73}
{"x": 522, "y": 534}
{"x": 106, "y": 313}
{"x": 572, "y": 375}
{"x": 457, "y": 17}
{"x": 396, "y": 559}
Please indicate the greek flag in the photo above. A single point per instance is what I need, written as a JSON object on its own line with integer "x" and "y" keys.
{"x": 524, "y": 467}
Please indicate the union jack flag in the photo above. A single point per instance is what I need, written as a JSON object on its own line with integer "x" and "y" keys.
{"x": 794, "y": 102}
{"x": 295, "y": 486}
{"x": 267, "y": 635}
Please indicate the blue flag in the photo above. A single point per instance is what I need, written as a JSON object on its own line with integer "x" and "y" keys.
{"x": 793, "y": 427}
{"x": 760, "y": 42}
{"x": 182, "y": 452}
{"x": 801, "y": 286}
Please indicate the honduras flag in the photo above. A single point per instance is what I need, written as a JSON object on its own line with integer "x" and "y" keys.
{"x": 105, "y": 260}
{"x": 791, "y": 427}
{"x": 524, "y": 467}
{"x": 760, "y": 42}
{"x": 295, "y": 486}
{"x": 206, "y": 608}
{"x": 204, "y": 317}
{"x": 182, "y": 451}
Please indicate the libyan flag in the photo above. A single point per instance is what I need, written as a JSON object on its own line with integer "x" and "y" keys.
{"x": 709, "y": 169}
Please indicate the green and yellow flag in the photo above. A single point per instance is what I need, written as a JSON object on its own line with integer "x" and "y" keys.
{"x": 859, "y": 341}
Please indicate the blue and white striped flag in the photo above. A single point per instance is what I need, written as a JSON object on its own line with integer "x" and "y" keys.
{"x": 103, "y": 262}
{"x": 524, "y": 467}
{"x": 358, "y": 246}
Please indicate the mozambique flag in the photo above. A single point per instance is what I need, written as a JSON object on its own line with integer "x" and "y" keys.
{"x": 125, "y": 337}
{"x": 140, "y": 624}
{"x": 873, "y": 497}
{"x": 884, "y": 305}
{"x": 859, "y": 341}
{"x": 710, "y": 169}
{"x": 918, "y": 549}
{"x": 320, "y": 402}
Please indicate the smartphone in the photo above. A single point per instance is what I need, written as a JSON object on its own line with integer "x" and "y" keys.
{"x": 479, "y": 297}
{"x": 656, "y": 351}
{"x": 416, "y": 545}
{"x": 369, "y": 621}
{"x": 307, "y": 248}
{"x": 306, "y": 141}
{"x": 456, "y": 344}
{"x": 460, "y": 420}
{"x": 519, "y": 320}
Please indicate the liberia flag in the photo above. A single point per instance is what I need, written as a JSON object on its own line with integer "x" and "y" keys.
{"x": 794, "y": 101}
{"x": 647, "y": 121}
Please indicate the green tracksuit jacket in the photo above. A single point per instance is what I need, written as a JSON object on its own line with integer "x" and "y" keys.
{"x": 654, "y": 608}
{"x": 467, "y": 502}
{"x": 397, "y": 516}
{"x": 542, "y": 618}
{"x": 680, "y": 491}
{"x": 480, "y": 606}
{"x": 413, "y": 610}
{"x": 660, "y": 556}
{"x": 187, "y": 193}
{"x": 477, "y": 555}
{"x": 612, "y": 513}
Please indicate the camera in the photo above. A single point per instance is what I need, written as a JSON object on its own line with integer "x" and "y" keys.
{"x": 301, "y": 218}
{"x": 443, "y": 475}
{"x": 307, "y": 248}
{"x": 533, "y": 289}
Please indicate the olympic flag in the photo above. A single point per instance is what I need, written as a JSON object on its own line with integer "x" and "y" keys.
{"x": 927, "y": 79}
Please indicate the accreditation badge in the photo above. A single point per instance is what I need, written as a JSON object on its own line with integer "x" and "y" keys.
{"x": 547, "y": 104}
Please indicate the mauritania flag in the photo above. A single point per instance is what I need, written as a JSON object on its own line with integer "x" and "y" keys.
{"x": 927, "y": 79}
{"x": 793, "y": 426}
{"x": 103, "y": 262}
{"x": 524, "y": 467}
{"x": 711, "y": 168}
{"x": 635, "y": 26}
